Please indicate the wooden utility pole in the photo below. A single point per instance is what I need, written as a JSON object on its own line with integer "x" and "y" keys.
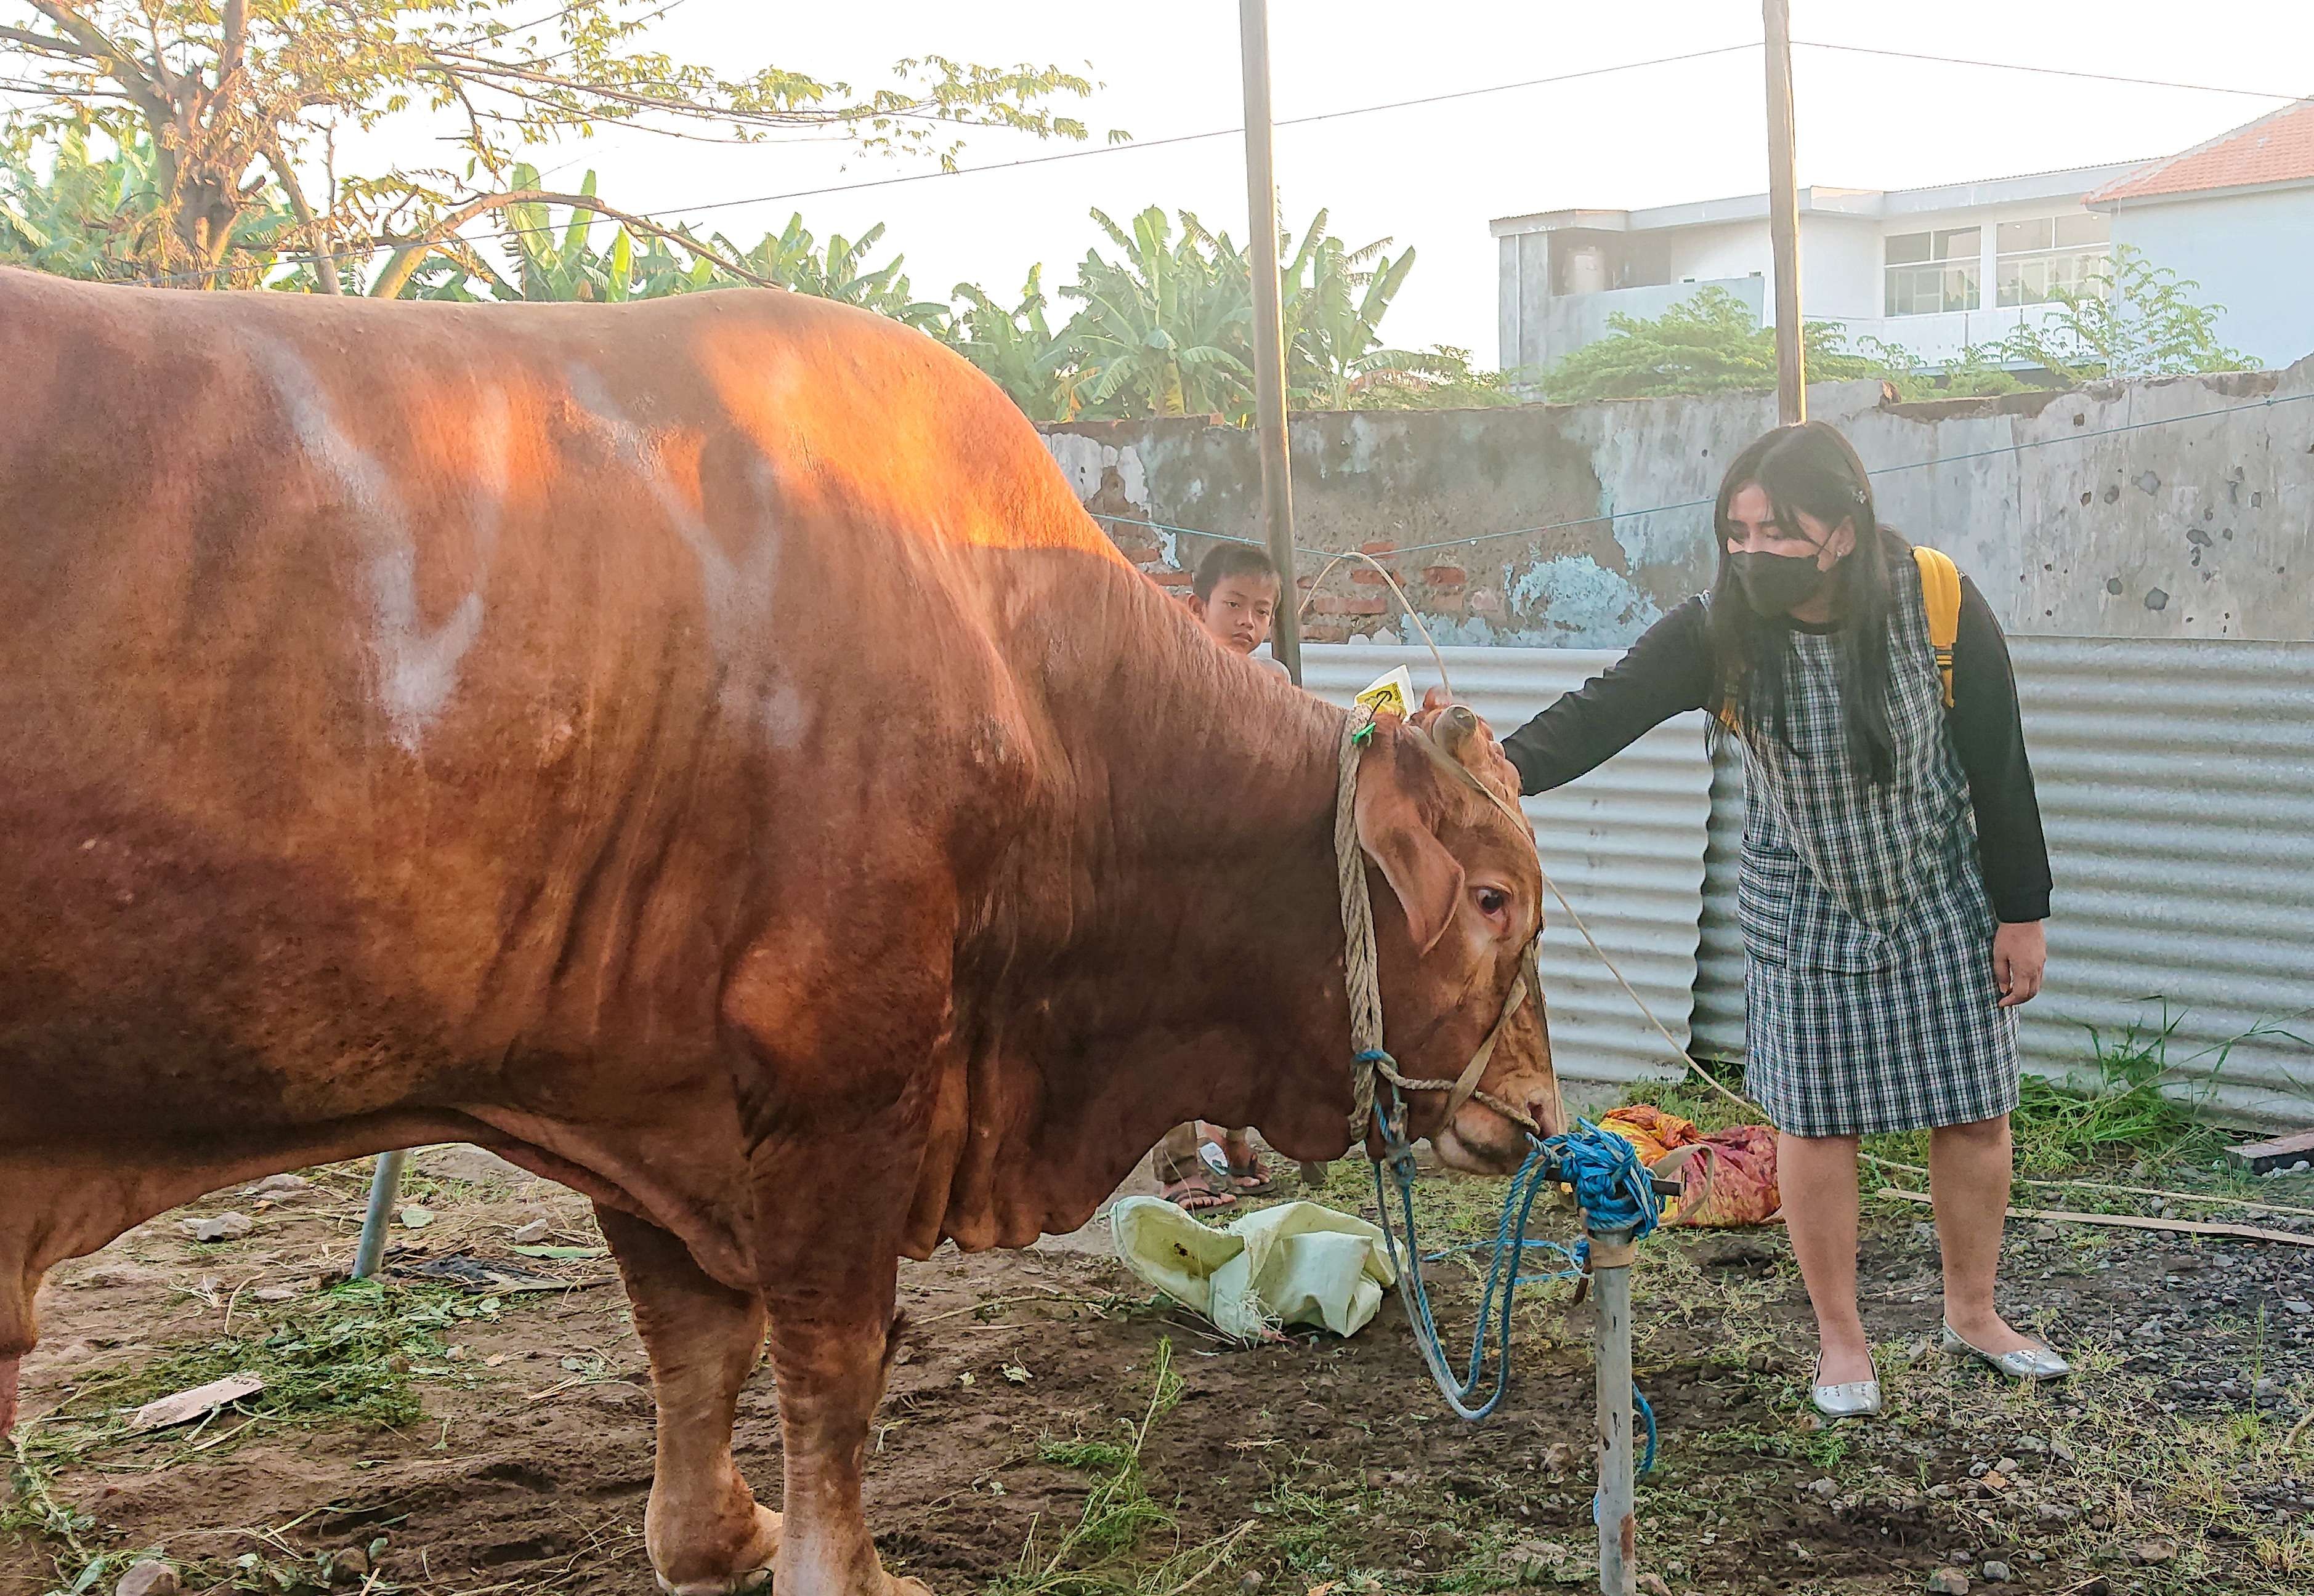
{"x": 1784, "y": 216}
{"x": 1268, "y": 331}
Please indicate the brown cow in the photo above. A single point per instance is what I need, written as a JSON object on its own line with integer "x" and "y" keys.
{"x": 699, "y": 750}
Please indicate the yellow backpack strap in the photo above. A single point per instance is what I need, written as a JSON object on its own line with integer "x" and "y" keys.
{"x": 1940, "y": 598}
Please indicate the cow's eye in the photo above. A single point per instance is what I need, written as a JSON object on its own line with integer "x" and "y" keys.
{"x": 1493, "y": 901}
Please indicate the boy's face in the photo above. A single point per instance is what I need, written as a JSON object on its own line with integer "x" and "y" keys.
{"x": 1240, "y": 612}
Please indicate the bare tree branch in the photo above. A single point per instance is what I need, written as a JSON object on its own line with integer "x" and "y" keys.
{"x": 236, "y": 38}
{"x": 49, "y": 44}
{"x": 410, "y": 253}
{"x": 124, "y": 69}
{"x": 325, "y": 264}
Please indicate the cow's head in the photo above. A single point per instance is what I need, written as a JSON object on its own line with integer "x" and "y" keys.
{"x": 1459, "y": 898}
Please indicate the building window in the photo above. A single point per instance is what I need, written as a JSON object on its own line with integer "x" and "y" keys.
{"x": 1934, "y": 271}
{"x": 2048, "y": 253}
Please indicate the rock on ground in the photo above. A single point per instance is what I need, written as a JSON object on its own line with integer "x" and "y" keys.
{"x": 149, "y": 1578}
{"x": 223, "y": 1227}
{"x": 474, "y": 1165}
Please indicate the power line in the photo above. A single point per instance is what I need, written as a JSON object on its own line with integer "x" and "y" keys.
{"x": 1075, "y": 154}
{"x": 2099, "y": 77}
{"x": 1691, "y": 504}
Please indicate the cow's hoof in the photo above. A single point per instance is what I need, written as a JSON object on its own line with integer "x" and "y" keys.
{"x": 756, "y": 1564}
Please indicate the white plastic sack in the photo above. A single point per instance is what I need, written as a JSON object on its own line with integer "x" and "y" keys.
{"x": 1296, "y": 1264}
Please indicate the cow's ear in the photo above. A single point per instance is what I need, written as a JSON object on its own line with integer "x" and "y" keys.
{"x": 1427, "y": 878}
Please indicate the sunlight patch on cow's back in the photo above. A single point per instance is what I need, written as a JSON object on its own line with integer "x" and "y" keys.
{"x": 804, "y": 399}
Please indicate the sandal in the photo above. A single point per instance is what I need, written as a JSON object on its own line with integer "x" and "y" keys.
{"x": 1198, "y": 1194}
{"x": 1250, "y": 1180}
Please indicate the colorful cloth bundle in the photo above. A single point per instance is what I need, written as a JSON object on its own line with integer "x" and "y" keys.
{"x": 1729, "y": 1180}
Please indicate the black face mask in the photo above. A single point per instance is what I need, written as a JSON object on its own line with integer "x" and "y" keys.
{"x": 1777, "y": 583}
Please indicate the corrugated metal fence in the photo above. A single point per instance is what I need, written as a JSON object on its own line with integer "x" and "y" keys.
{"x": 2176, "y": 785}
{"x": 1625, "y": 843}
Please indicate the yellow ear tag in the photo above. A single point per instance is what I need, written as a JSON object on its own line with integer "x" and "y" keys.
{"x": 1392, "y": 694}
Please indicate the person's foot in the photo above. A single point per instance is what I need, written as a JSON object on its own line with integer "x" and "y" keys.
{"x": 1989, "y": 1340}
{"x": 1232, "y": 1153}
{"x": 1988, "y": 1333}
{"x": 1844, "y": 1366}
{"x": 1198, "y": 1194}
{"x": 1845, "y": 1399}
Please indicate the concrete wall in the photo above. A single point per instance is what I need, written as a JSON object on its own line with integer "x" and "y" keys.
{"x": 2175, "y": 508}
{"x": 1557, "y": 327}
{"x": 1730, "y": 250}
{"x": 2250, "y": 251}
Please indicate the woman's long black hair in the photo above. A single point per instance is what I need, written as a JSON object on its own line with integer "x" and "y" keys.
{"x": 1812, "y": 468}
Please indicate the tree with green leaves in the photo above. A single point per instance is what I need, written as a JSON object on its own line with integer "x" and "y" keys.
{"x": 1333, "y": 299}
{"x": 1440, "y": 378}
{"x": 2132, "y": 318}
{"x": 1018, "y": 348}
{"x": 79, "y": 211}
{"x": 837, "y": 270}
{"x": 1708, "y": 343}
{"x": 241, "y": 103}
{"x": 1163, "y": 329}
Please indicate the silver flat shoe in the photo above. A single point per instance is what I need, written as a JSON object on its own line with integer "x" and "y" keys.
{"x": 2027, "y": 1363}
{"x": 1853, "y": 1400}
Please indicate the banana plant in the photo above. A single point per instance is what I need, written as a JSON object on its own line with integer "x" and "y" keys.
{"x": 839, "y": 271}
{"x": 1040, "y": 369}
{"x": 1164, "y": 329}
{"x": 1334, "y": 299}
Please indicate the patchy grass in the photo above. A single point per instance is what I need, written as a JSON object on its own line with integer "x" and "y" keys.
{"x": 347, "y": 1355}
{"x": 1096, "y": 1556}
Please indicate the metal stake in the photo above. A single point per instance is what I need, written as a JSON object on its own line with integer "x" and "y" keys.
{"x": 1784, "y": 216}
{"x": 384, "y": 1186}
{"x": 1611, "y": 1290}
{"x": 1268, "y": 333}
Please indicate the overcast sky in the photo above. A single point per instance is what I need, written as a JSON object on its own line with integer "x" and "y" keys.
{"x": 1432, "y": 176}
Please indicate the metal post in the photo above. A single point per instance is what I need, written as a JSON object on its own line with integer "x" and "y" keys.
{"x": 1268, "y": 331}
{"x": 1611, "y": 1290}
{"x": 384, "y": 1186}
{"x": 1784, "y": 216}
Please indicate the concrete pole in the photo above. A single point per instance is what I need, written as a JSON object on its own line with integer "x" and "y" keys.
{"x": 1616, "y": 1513}
{"x": 1784, "y": 216}
{"x": 384, "y": 1186}
{"x": 1268, "y": 331}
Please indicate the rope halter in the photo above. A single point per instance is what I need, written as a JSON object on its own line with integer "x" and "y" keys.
{"x": 1370, "y": 1062}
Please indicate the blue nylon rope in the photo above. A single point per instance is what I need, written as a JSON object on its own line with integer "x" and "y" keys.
{"x": 1615, "y": 1192}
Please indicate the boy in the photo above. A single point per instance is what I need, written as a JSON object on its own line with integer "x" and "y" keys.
{"x": 1235, "y": 597}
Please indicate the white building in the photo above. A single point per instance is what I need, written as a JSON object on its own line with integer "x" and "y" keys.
{"x": 1937, "y": 269}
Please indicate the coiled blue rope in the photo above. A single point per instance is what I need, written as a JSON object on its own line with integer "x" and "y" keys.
{"x": 1612, "y": 1188}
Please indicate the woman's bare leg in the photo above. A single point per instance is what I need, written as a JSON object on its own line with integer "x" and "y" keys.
{"x": 1969, "y": 1169}
{"x": 1816, "y": 1176}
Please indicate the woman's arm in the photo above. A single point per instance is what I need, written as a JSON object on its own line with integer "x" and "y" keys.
{"x": 1667, "y": 672}
{"x": 1989, "y": 735}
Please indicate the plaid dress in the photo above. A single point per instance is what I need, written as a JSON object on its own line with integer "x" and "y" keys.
{"x": 1868, "y": 934}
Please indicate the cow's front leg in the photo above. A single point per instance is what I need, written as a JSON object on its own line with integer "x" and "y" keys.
{"x": 831, "y": 1341}
{"x": 706, "y": 1535}
{"x": 840, "y": 1018}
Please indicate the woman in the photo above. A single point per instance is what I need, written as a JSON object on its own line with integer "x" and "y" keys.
{"x": 1888, "y": 941}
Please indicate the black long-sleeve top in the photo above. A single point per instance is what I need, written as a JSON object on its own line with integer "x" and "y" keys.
{"x": 1669, "y": 671}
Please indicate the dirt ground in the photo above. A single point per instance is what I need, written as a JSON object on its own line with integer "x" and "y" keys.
{"x": 466, "y": 1436}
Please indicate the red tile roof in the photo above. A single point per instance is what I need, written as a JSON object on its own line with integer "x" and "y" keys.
{"x": 2276, "y": 148}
